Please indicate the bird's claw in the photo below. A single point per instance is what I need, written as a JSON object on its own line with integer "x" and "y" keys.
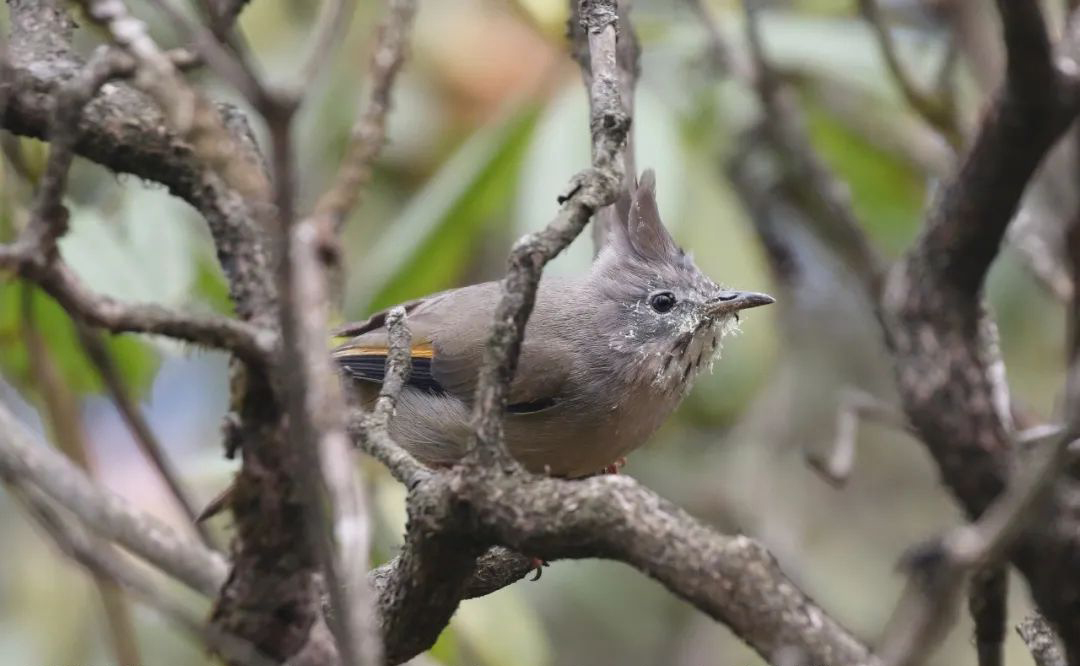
{"x": 614, "y": 467}
{"x": 538, "y": 567}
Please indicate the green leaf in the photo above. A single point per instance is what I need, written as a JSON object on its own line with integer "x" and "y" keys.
{"x": 887, "y": 193}
{"x": 133, "y": 255}
{"x": 136, "y": 362}
{"x": 210, "y": 287}
{"x": 432, "y": 242}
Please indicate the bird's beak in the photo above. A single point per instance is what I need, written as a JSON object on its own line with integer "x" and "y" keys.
{"x": 728, "y": 302}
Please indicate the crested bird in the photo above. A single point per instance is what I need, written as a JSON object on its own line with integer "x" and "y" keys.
{"x": 606, "y": 356}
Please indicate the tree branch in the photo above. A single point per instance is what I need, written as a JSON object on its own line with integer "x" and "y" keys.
{"x": 249, "y": 342}
{"x": 101, "y": 563}
{"x": 1042, "y": 642}
{"x": 186, "y": 109}
{"x": 369, "y": 132}
{"x": 936, "y": 111}
{"x": 372, "y": 430}
{"x": 949, "y": 370}
{"x": 811, "y": 181}
{"x": 124, "y": 132}
{"x": 141, "y": 431}
{"x": 109, "y": 515}
{"x": 589, "y": 191}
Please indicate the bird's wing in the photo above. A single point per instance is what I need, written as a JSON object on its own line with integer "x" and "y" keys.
{"x": 449, "y": 333}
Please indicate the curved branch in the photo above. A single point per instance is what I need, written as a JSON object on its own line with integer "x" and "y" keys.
{"x": 249, "y": 342}
{"x": 123, "y": 131}
{"x": 732, "y": 579}
{"x": 949, "y": 370}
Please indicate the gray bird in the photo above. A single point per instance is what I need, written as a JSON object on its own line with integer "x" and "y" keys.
{"x": 605, "y": 359}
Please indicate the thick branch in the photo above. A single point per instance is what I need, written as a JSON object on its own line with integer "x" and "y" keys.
{"x": 732, "y": 579}
{"x": 124, "y": 132}
{"x": 968, "y": 219}
{"x": 949, "y": 370}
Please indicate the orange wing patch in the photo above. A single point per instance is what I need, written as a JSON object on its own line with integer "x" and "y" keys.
{"x": 425, "y": 350}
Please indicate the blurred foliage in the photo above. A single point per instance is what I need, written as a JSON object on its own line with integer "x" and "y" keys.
{"x": 430, "y": 245}
{"x": 489, "y": 121}
{"x": 887, "y": 193}
{"x": 133, "y": 358}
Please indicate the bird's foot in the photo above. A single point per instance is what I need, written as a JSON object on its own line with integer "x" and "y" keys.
{"x": 538, "y": 567}
{"x": 614, "y": 467}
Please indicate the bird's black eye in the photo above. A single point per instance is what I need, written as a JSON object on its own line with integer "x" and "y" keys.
{"x": 662, "y": 301}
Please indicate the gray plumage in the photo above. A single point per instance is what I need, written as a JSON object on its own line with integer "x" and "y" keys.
{"x": 605, "y": 359}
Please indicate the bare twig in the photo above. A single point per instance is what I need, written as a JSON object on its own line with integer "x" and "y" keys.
{"x": 62, "y": 413}
{"x": 940, "y": 569}
{"x": 854, "y": 406}
{"x": 1040, "y": 259}
{"x": 49, "y": 219}
{"x": 228, "y": 64}
{"x": 589, "y": 191}
{"x": 833, "y": 218}
{"x": 369, "y": 132}
{"x": 316, "y": 411}
{"x": 331, "y": 25}
{"x": 250, "y": 343}
{"x": 1042, "y": 642}
{"x": 627, "y": 69}
{"x": 372, "y": 429}
{"x": 316, "y": 407}
{"x": 935, "y": 110}
{"x": 101, "y": 563}
{"x": 141, "y": 431}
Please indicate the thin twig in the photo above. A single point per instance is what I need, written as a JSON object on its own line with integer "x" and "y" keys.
{"x": 854, "y": 406}
{"x": 141, "y": 431}
{"x": 372, "y": 430}
{"x": 334, "y": 498}
{"x": 369, "y": 133}
{"x": 49, "y": 218}
{"x": 818, "y": 188}
{"x": 249, "y": 342}
{"x": 934, "y": 110}
{"x": 63, "y": 414}
{"x": 941, "y": 568}
{"x": 589, "y": 191}
{"x": 331, "y": 26}
{"x": 214, "y": 53}
{"x": 627, "y": 61}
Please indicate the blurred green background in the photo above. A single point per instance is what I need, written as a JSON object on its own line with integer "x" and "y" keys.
{"x": 489, "y": 121}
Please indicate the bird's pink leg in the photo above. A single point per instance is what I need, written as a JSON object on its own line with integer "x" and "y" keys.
{"x": 614, "y": 467}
